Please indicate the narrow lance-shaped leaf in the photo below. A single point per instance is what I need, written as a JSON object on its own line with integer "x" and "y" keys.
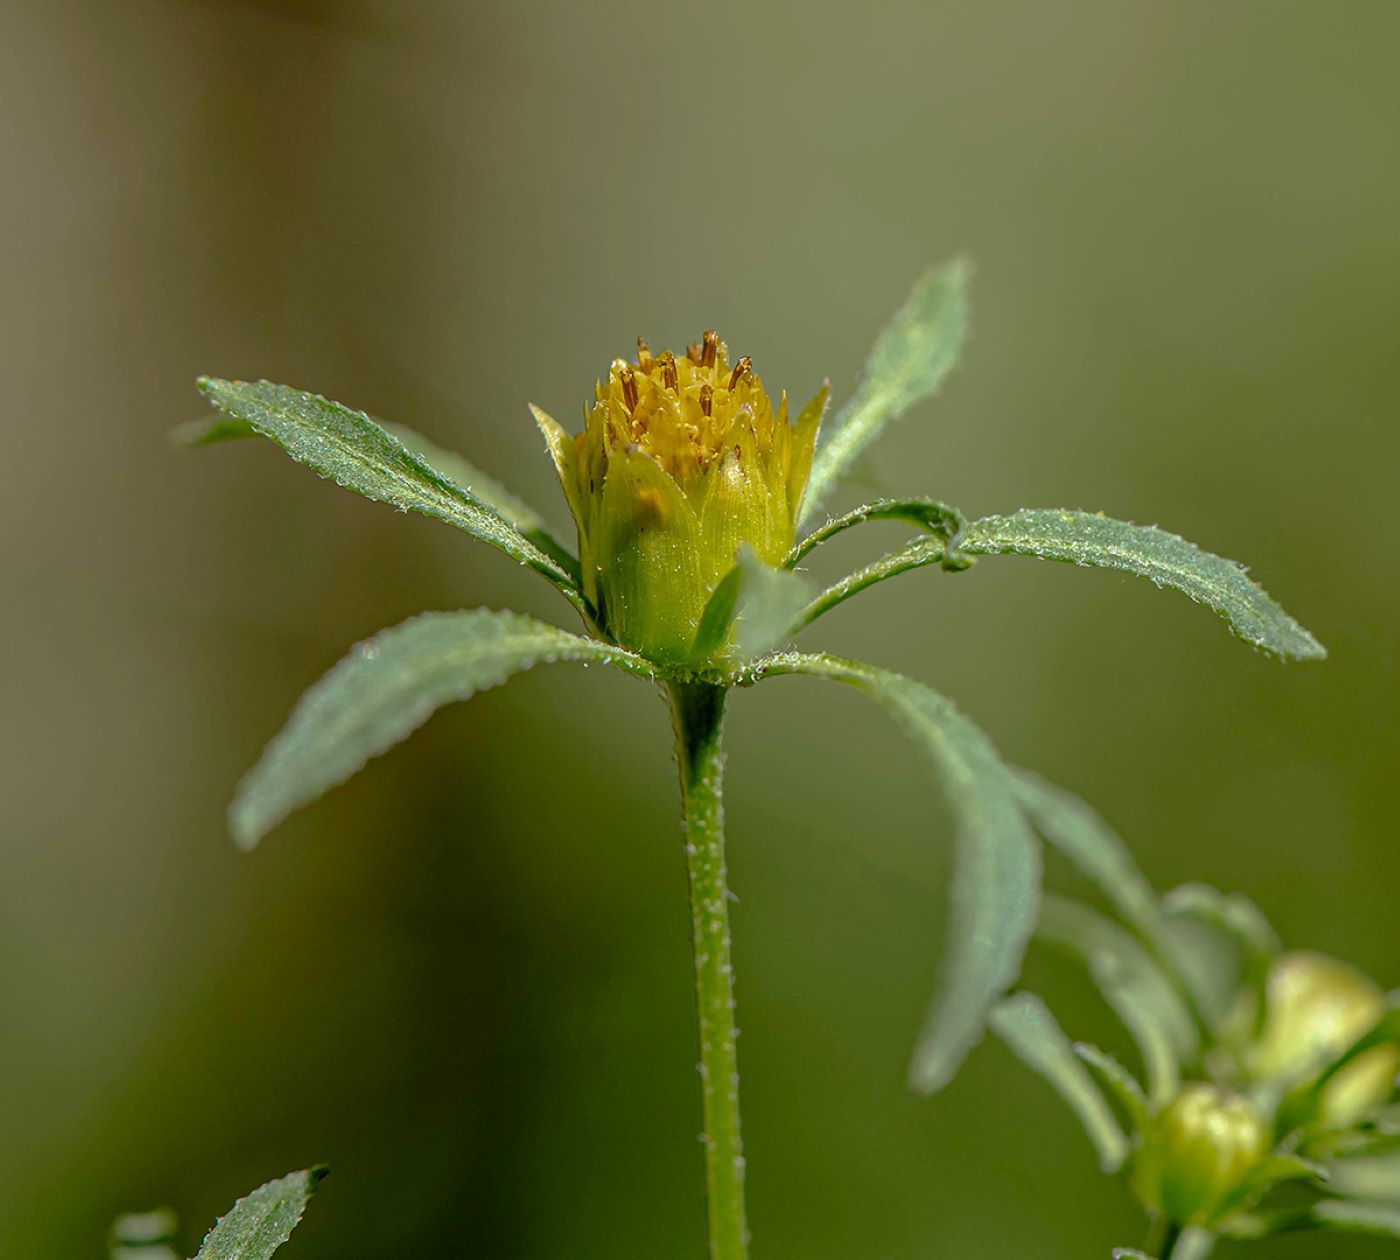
{"x": 259, "y": 1224}
{"x": 908, "y": 362}
{"x": 355, "y": 452}
{"x": 208, "y": 430}
{"x": 1024, "y": 1023}
{"x": 1073, "y": 828}
{"x": 1085, "y": 538}
{"x": 996, "y": 880}
{"x": 1150, "y": 1008}
{"x": 1120, "y": 1083}
{"x": 386, "y": 688}
{"x": 1069, "y": 825}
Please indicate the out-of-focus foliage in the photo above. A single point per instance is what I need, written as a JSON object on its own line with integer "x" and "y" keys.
{"x": 1288, "y": 1082}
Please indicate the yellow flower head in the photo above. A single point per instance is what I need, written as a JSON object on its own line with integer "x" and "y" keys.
{"x": 682, "y": 461}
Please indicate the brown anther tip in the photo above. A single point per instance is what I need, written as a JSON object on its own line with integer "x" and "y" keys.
{"x": 669, "y": 375}
{"x": 643, "y": 355}
{"x": 709, "y": 348}
{"x": 629, "y": 387}
{"x": 741, "y": 369}
{"x": 707, "y": 399}
{"x": 692, "y": 352}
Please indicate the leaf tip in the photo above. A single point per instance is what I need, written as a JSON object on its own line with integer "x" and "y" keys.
{"x": 244, "y": 825}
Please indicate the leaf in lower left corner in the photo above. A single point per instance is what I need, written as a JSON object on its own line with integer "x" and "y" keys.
{"x": 260, "y": 1223}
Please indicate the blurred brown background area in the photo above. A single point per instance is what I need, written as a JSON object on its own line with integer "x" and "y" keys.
{"x": 462, "y": 979}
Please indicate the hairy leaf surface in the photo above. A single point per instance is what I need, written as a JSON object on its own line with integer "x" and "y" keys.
{"x": 259, "y": 1224}
{"x": 1085, "y": 538}
{"x": 908, "y": 362}
{"x": 387, "y": 687}
{"x": 353, "y": 451}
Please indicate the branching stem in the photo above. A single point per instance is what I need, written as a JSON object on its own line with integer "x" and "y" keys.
{"x": 698, "y": 709}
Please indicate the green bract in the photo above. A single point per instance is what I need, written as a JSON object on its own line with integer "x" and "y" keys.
{"x": 687, "y": 488}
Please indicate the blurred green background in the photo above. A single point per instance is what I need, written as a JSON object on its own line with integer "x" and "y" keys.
{"x": 464, "y": 984}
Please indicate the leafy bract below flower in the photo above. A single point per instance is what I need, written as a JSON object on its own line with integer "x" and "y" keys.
{"x": 689, "y": 491}
{"x": 1269, "y": 1102}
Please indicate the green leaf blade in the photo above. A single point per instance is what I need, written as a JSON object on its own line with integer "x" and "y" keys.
{"x": 349, "y": 448}
{"x": 909, "y": 361}
{"x": 1076, "y": 830}
{"x": 1146, "y": 1002}
{"x": 996, "y": 882}
{"x": 386, "y": 688}
{"x": 1087, "y": 539}
{"x": 1031, "y": 1032}
{"x": 258, "y": 1224}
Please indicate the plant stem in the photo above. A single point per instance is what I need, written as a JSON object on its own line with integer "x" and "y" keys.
{"x": 698, "y": 710}
{"x": 1163, "y": 1239}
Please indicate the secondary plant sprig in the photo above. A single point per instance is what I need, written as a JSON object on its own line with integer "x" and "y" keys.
{"x": 689, "y": 486}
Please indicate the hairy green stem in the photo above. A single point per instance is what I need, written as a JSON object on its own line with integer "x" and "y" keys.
{"x": 698, "y": 709}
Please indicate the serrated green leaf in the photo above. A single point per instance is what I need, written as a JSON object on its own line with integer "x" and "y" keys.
{"x": 909, "y": 361}
{"x": 386, "y": 688}
{"x": 762, "y": 605}
{"x": 996, "y": 881}
{"x": 926, "y": 514}
{"x": 353, "y": 451}
{"x": 1121, "y": 1083}
{"x": 259, "y": 1224}
{"x": 1024, "y": 1023}
{"x": 208, "y": 430}
{"x": 1085, "y": 538}
{"x": 1132, "y": 984}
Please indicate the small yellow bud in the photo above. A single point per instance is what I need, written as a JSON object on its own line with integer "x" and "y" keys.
{"x": 1197, "y": 1153}
{"x": 681, "y": 462}
{"x": 1316, "y": 1008}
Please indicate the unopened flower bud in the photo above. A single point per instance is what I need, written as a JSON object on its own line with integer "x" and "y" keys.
{"x": 1316, "y": 1008}
{"x": 1197, "y": 1153}
{"x": 681, "y": 462}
